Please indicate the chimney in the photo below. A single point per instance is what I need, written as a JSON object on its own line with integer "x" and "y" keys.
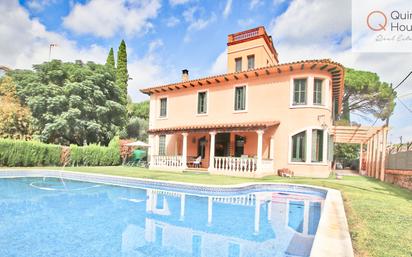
{"x": 185, "y": 75}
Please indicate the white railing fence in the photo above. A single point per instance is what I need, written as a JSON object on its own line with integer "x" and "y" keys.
{"x": 166, "y": 161}
{"x": 235, "y": 164}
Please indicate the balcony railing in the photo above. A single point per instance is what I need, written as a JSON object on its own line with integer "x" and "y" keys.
{"x": 246, "y": 35}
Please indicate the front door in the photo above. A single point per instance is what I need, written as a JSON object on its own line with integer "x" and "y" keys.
{"x": 239, "y": 145}
{"x": 201, "y": 147}
{"x": 222, "y": 144}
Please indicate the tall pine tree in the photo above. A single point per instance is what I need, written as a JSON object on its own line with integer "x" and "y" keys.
{"x": 121, "y": 72}
{"x": 110, "y": 59}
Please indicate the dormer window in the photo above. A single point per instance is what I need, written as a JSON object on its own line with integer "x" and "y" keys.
{"x": 251, "y": 62}
{"x": 238, "y": 62}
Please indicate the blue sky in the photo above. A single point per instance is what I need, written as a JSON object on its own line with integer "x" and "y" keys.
{"x": 165, "y": 36}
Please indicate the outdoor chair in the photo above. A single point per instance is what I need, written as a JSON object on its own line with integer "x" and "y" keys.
{"x": 197, "y": 162}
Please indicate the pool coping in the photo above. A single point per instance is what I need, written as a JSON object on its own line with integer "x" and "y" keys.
{"x": 331, "y": 239}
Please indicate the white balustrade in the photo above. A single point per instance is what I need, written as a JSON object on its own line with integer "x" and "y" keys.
{"x": 167, "y": 161}
{"x": 235, "y": 164}
{"x": 240, "y": 166}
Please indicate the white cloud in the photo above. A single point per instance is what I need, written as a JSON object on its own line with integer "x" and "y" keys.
{"x": 220, "y": 64}
{"x": 31, "y": 46}
{"x": 39, "y": 5}
{"x": 104, "y": 18}
{"x": 154, "y": 45}
{"x": 31, "y": 41}
{"x": 310, "y": 21}
{"x": 148, "y": 71}
{"x": 244, "y": 23}
{"x": 305, "y": 31}
{"x": 201, "y": 23}
{"x": 228, "y": 8}
{"x": 196, "y": 19}
{"x": 172, "y": 22}
{"x": 255, "y": 3}
{"x": 178, "y": 2}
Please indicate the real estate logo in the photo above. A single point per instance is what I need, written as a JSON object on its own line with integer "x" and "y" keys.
{"x": 381, "y": 26}
{"x": 377, "y": 26}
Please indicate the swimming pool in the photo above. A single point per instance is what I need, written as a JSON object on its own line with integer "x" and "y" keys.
{"x": 52, "y": 216}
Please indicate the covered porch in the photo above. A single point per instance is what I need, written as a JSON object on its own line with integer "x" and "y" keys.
{"x": 241, "y": 149}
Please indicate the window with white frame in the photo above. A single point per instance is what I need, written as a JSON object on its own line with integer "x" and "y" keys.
{"x": 299, "y": 91}
{"x": 317, "y": 91}
{"x": 238, "y": 63}
{"x": 317, "y": 145}
{"x": 202, "y": 102}
{"x": 299, "y": 147}
{"x": 240, "y": 98}
{"x": 251, "y": 62}
{"x": 162, "y": 145}
{"x": 163, "y": 107}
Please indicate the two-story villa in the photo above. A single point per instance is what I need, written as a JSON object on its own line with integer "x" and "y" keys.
{"x": 258, "y": 117}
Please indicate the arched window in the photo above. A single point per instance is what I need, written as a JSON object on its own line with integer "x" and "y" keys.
{"x": 317, "y": 145}
{"x": 299, "y": 147}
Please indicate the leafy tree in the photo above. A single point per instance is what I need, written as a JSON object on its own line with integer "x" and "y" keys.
{"x": 345, "y": 153}
{"x": 140, "y": 110}
{"x": 138, "y": 120}
{"x": 110, "y": 59}
{"x": 72, "y": 103}
{"x": 122, "y": 75}
{"x": 15, "y": 118}
{"x": 366, "y": 94}
{"x": 136, "y": 128}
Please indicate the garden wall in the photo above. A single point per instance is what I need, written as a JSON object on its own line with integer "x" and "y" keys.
{"x": 398, "y": 168}
{"x": 402, "y": 178}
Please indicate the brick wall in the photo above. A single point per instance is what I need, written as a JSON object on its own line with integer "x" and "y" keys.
{"x": 402, "y": 178}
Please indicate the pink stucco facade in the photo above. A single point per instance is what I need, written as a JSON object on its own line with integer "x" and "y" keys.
{"x": 268, "y": 98}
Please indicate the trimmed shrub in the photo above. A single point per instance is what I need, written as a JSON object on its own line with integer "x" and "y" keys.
{"x": 96, "y": 155}
{"x": 15, "y": 153}
{"x": 20, "y": 153}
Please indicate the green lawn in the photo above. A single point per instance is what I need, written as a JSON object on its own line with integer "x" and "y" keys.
{"x": 379, "y": 214}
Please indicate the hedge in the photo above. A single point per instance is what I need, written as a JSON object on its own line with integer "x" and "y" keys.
{"x": 96, "y": 155}
{"x": 14, "y": 153}
{"x": 20, "y": 153}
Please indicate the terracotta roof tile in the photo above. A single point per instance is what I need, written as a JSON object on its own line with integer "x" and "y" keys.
{"x": 336, "y": 69}
{"x": 219, "y": 127}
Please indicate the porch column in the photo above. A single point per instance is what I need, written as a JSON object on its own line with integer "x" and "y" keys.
{"x": 372, "y": 156}
{"x": 377, "y": 156}
{"x": 212, "y": 151}
{"x": 384, "y": 139}
{"x": 367, "y": 156}
{"x": 272, "y": 148}
{"x": 184, "y": 151}
{"x": 360, "y": 158}
{"x": 370, "y": 142}
{"x": 259, "y": 150}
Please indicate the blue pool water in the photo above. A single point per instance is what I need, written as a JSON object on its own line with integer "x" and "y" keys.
{"x": 56, "y": 217}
